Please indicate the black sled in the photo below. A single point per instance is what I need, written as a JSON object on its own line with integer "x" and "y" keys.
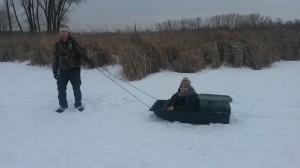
{"x": 212, "y": 109}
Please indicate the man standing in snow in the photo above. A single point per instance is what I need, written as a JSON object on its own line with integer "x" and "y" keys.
{"x": 68, "y": 56}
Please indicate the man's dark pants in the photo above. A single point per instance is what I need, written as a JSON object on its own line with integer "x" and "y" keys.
{"x": 72, "y": 75}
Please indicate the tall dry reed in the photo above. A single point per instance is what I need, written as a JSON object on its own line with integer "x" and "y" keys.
{"x": 143, "y": 53}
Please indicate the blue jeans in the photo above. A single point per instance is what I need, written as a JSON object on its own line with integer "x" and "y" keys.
{"x": 72, "y": 75}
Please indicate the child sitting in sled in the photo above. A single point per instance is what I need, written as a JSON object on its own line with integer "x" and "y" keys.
{"x": 186, "y": 99}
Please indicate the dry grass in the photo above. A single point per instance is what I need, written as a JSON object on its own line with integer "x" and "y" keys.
{"x": 143, "y": 53}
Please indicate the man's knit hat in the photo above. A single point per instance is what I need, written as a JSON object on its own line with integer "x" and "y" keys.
{"x": 64, "y": 28}
{"x": 186, "y": 81}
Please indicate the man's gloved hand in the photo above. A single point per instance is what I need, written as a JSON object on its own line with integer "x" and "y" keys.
{"x": 55, "y": 74}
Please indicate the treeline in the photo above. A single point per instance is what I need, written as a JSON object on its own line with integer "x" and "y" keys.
{"x": 37, "y": 15}
{"x": 253, "y": 20}
{"x": 142, "y": 52}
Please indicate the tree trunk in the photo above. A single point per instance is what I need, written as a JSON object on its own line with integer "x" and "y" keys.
{"x": 12, "y": 3}
{"x": 37, "y": 16}
{"x": 8, "y": 15}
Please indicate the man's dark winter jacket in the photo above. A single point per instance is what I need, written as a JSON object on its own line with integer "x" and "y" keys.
{"x": 68, "y": 54}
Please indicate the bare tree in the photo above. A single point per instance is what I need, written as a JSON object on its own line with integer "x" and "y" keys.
{"x": 30, "y": 11}
{"x": 37, "y": 14}
{"x": 187, "y": 24}
{"x": 12, "y": 3}
{"x": 55, "y": 12}
{"x": 198, "y": 21}
{"x": 8, "y": 15}
{"x": 3, "y": 19}
{"x": 168, "y": 25}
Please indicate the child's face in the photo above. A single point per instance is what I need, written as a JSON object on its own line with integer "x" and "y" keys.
{"x": 183, "y": 88}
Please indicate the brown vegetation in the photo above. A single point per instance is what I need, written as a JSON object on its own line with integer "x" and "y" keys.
{"x": 143, "y": 53}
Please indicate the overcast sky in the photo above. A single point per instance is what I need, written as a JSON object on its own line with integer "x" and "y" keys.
{"x": 122, "y": 13}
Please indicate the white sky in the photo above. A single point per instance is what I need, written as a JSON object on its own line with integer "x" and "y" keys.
{"x": 122, "y": 13}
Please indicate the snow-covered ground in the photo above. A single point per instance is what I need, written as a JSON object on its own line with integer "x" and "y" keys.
{"x": 118, "y": 131}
